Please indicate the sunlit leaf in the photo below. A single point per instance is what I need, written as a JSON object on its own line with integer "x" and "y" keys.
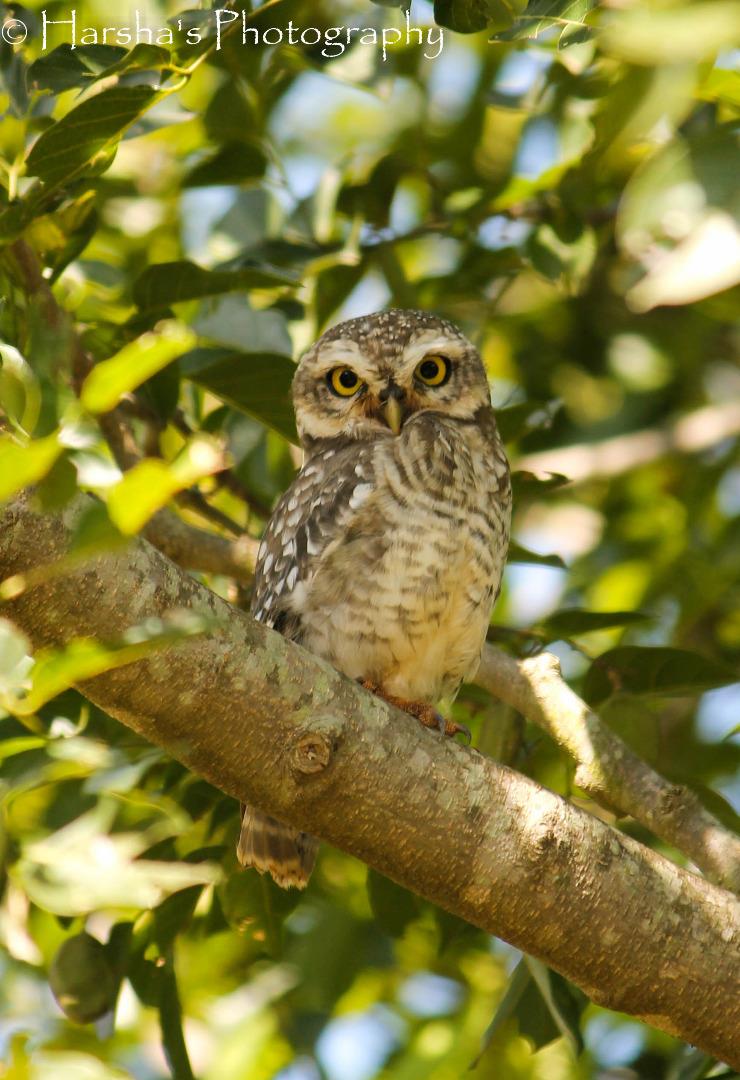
{"x": 23, "y": 465}
{"x": 81, "y": 868}
{"x": 148, "y": 486}
{"x": 537, "y": 16}
{"x": 54, "y": 670}
{"x": 134, "y": 364}
{"x": 20, "y": 394}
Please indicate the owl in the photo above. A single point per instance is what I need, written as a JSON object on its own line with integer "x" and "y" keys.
{"x": 385, "y": 554}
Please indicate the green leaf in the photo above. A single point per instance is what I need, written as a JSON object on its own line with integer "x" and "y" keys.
{"x": 55, "y": 670}
{"x": 173, "y": 915}
{"x": 518, "y": 983}
{"x": 15, "y": 661}
{"x": 134, "y": 364}
{"x": 525, "y": 416}
{"x": 572, "y": 621}
{"x": 258, "y": 383}
{"x": 721, "y": 85}
{"x": 59, "y": 70}
{"x": 471, "y": 16}
{"x": 541, "y": 15}
{"x": 173, "y": 282}
{"x": 65, "y": 68}
{"x": 234, "y": 163}
{"x": 82, "y": 980}
{"x": 20, "y": 745}
{"x": 69, "y": 148}
{"x": 170, "y": 1022}
{"x": 255, "y": 905}
{"x": 94, "y": 531}
{"x": 567, "y": 261}
{"x": 148, "y": 486}
{"x": 59, "y": 486}
{"x": 393, "y": 906}
{"x": 631, "y": 669}
{"x": 143, "y": 57}
{"x": 563, "y": 1001}
{"x": 20, "y": 393}
{"x": 683, "y": 182}
{"x": 527, "y": 485}
{"x": 679, "y": 216}
{"x": 24, "y": 465}
{"x": 520, "y": 554}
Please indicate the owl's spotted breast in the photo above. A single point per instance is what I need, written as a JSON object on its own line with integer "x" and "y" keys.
{"x": 401, "y": 560}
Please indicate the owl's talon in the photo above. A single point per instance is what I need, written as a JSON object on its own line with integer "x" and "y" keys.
{"x": 425, "y": 713}
{"x": 458, "y": 729}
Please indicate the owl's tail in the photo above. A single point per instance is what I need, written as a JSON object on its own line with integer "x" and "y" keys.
{"x": 268, "y": 845}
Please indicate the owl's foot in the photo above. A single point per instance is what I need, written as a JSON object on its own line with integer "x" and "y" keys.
{"x": 425, "y": 713}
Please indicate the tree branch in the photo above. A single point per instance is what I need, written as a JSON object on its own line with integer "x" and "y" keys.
{"x": 607, "y": 769}
{"x": 196, "y": 549}
{"x": 272, "y": 725}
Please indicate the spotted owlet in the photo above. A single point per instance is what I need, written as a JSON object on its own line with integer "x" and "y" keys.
{"x": 385, "y": 555}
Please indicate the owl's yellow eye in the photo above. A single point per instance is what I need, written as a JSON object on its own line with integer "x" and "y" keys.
{"x": 433, "y": 370}
{"x": 343, "y": 381}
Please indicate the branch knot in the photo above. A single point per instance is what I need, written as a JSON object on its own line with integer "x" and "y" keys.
{"x": 312, "y": 752}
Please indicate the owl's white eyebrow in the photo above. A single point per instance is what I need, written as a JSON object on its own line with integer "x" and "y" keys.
{"x": 342, "y": 350}
{"x": 430, "y": 342}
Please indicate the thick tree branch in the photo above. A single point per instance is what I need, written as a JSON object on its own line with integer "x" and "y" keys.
{"x": 270, "y": 724}
{"x": 607, "y": 769}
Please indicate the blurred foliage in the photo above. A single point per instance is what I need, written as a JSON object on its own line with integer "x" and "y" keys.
{"x": 559, "y": 177}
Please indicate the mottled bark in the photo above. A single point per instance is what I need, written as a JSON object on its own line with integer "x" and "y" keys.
{"x": 268, "y": 723}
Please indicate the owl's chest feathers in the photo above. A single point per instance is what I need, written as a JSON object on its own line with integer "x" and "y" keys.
{"x": 403, "y": 596}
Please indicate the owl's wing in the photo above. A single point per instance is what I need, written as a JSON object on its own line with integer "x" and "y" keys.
{"x": 314, "y": 512}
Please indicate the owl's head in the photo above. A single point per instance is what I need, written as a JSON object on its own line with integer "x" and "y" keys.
{"x": 371, "y": 375}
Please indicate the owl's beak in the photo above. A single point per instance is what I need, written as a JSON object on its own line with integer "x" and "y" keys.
{"x": 391, "y": 406}
{"x": 393, "y": 414}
